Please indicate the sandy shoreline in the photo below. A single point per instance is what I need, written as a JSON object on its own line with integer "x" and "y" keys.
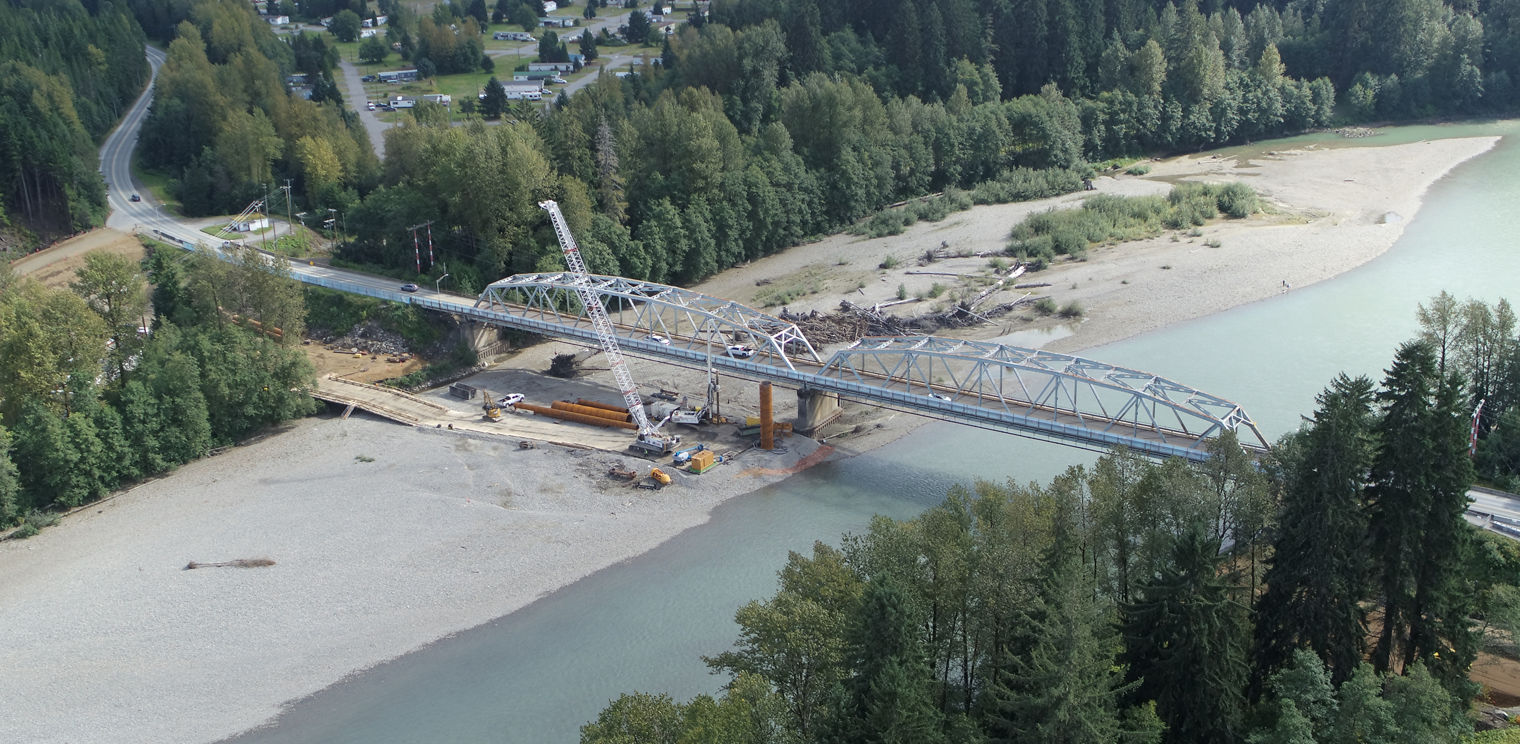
{"x": 392, "y": 537}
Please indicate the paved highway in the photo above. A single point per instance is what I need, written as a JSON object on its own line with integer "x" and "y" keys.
{"x": 116, "y": 157}
{"x": 1495, "y": 510}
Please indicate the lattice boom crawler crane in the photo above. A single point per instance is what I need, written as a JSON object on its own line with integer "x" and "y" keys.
{"x": 650, "y": 439}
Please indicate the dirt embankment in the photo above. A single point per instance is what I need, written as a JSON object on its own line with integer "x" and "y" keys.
{"x": 55, "y": 266}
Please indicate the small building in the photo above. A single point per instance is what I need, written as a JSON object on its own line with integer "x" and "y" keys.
{"x": 258, "y": 223}
{"x": 551, "y": 67}
{"x": 535, "y": 77}
{"x": 396, "y": 76}
{"x": 513, "y": 36}
{"x": 278, "y": 20}
{"x": 365, "y": 33}
{"x": 550, "y": 6}
{"x": 298, "y": 78}
{"x": 402, "y": 102}
{"x": 553, "y": 22}
{"x": 442, "y": 98}
{"x": 326, "y": 21}
{"x": 521, "y": 91}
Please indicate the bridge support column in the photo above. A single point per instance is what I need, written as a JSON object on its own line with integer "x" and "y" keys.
{"x": 815, "y": 409}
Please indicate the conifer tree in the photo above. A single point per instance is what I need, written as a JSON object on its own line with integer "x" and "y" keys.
{"x": 1185, "y": 643}
{"x": 1065, "y": 689}
{"x": 1318, "y": 571}
{"x": 1418, "y": 491}
{"x": 890, "y": 699}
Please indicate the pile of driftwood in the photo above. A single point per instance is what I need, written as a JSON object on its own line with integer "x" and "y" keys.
{"x": 833, "y": 328}
{"x": 853, "y": 322}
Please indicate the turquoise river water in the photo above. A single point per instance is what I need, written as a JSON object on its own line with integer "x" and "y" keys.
{"x": 533, "y": 677}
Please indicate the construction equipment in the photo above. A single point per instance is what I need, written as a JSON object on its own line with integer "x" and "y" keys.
{"x": 683, "y": 456}
{"x": 703, "y": 461}
{"x": 492, "y": 409}
{"x": 649, "y": 440}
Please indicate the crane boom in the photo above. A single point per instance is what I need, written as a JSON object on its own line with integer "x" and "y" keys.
{"x": 649, "y": 437}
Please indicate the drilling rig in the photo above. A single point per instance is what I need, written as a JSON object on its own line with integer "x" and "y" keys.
{"x": 650, "y": 440}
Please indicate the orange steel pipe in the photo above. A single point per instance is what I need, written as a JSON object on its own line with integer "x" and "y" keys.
{"x": 564, "y": 405}
{"x": 603, "y": 406}
{"x": 576, "y": 417}
{"x": 767, "y": 436}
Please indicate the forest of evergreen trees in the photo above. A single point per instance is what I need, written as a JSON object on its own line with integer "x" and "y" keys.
{"x": 1332, "y": 593}
{"x": 775, "y": 120}
{"x": 67, "y": 74}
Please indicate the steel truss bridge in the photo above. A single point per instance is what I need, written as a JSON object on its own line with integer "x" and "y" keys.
{"x": 1029, "y": 392}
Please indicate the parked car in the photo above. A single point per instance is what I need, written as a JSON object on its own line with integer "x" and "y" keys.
{"x": 371, "y": 105}
{"x": 740, "y": 352}
{"x": 937, "y": 396}
{"x": 409, "y": 287}
{"x": 657, "y": 338}
{"x": 136, "y": 198}
{"x": 511, "y": 399}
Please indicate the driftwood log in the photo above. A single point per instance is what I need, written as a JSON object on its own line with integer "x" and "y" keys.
{"x": 239, "y": 563}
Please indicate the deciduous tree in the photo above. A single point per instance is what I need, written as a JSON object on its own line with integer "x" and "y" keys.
{"x": 113, "y": 286}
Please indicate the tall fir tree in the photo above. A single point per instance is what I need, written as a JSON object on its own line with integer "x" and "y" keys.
{"x": 1065, "y": 689}
{"x": 1318, "y": 573}
{"x": 1418, "y": 492}
{"x": 1185, "y": 642}
{"x": 890, "y": 699}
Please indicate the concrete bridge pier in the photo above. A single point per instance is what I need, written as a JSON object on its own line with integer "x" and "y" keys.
{"x": 815, "y": 409}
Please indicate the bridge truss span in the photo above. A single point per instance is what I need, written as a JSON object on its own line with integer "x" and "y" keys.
{"x": 645, "y": 312}
{"x": 1059, "y": 395}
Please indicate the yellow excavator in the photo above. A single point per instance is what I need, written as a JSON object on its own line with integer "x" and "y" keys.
{"x": 492, "y": 409}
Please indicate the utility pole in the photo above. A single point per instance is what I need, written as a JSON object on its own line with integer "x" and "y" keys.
{"x": 417, "y": 247}
{"x": 264, "y": 214}
{"x": 290, "y": 220}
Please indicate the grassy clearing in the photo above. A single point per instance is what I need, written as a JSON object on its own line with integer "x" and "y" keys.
{"x": 158, "y": 184}
{"x": 1106, "y": 219}
{"x": 775, "y": 295}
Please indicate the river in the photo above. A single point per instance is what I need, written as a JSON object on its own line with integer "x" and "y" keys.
{"x": 535, "y": 676}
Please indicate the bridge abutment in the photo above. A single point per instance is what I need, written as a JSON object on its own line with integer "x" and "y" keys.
{"x": 815, "y": 409}
{"x": 486, "y": 340}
